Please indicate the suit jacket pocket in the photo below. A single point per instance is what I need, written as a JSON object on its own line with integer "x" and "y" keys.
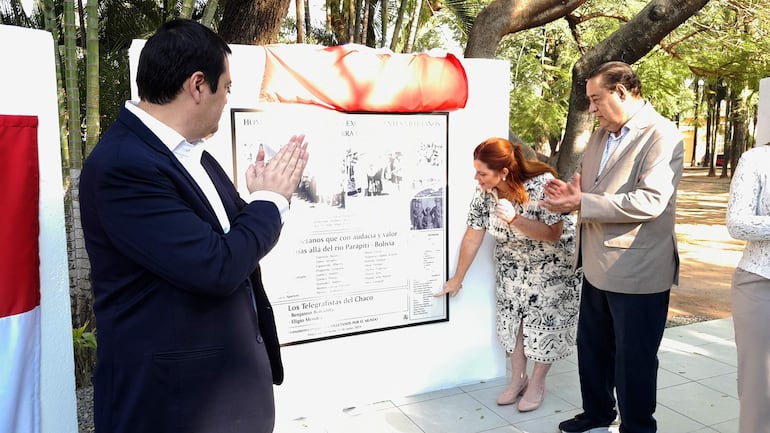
{"x": 202, "y": 353}
{"x": 629, "y": 239}
{"x": 186, "y": 380}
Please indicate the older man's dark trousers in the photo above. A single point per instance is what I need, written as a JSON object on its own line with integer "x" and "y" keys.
{"x": 618, "y": 339}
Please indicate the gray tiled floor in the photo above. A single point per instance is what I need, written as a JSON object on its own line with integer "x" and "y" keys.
{"x": 696, "y": 393}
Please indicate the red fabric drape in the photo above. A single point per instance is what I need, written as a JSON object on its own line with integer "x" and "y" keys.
{"x": 20, "y": 228}
{"x": 356, "y": 78}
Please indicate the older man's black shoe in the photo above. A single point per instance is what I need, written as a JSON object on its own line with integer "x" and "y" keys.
{"x": 581, "y": 424}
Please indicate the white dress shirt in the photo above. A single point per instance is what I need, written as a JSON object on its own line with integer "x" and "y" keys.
{"x": 189, "y": 155}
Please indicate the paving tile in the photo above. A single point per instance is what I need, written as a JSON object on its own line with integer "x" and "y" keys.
{"x": 492, "y": 383}
{"x": 398, "y": 401}
{"x": 726, "y": 383}
{"x": 552, "y": 404}
{"x": 723, "y": 351}
{"x": 726, "y": 427}
{"x": 701, "y": 333}
{"x": 563, "y": 366}
{"x": 700, "y": 403}
{"x": 459, "y": 413}
{"x": 693, "y": 366}
{"x": 566, "y": 386}
{"x": 547, "y": 424}
{"x": 505, "y": 429}
{"x": 668, "y": 378}
{"x": 384, "y": 421}
{"x": 717, "y": 328}
{"x": 670, "y": 421}
{"x": 300, "y": 425}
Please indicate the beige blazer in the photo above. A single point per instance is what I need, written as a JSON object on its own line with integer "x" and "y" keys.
{"x": 628, "y": 212}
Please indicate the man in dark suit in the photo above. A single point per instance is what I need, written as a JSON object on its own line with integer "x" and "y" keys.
{"x": 186, "y": 335}
{"x": 625, "y": 194}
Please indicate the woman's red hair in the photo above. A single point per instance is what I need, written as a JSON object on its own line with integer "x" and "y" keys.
{"x": 499, "y": 153}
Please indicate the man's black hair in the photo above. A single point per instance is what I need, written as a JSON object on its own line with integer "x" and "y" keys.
{"x": 178, "y": 49}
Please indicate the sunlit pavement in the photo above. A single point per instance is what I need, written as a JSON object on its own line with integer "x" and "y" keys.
{"x": 696, "y": 393}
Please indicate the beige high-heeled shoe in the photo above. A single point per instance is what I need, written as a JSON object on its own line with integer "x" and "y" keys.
{"x": 510, "y": 394}
{"x": 528, "y": 405}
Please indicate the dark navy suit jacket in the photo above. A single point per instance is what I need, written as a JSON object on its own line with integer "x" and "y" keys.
{"x": 186, "y": 335}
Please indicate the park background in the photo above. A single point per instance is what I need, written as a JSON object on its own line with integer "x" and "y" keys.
{"x": 700, "y": 62}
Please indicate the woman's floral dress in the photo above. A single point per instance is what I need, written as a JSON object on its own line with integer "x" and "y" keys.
{"x": 535, "y": 282}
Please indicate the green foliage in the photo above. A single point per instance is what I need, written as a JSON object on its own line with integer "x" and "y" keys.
{"x": 84, "y": 347}
{"x": 439, "y": 32}
{"x": 464, "y": 13}
{"x": 603, "y": 17}
{"x": 541, "y": 60}
{"x": 115, "y": 84}
{"x": 13, "y": 14}
{"x": 731, "y": 40}
{"x": 82, "y": 338}
{"x": 727, "y": 40}
{"x": 287, "y": 34}
{"x": 662, "y": 84}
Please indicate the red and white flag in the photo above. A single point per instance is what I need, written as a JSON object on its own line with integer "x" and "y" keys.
{"x": 19, "y": 276}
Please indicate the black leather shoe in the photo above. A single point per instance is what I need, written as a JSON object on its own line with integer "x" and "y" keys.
{"x": 581, "y": 424}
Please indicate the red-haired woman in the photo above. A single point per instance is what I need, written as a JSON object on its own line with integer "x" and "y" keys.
{"x": 536, "y": 285}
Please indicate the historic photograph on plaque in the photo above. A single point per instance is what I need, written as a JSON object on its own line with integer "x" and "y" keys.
{"x": 364, "y": 247}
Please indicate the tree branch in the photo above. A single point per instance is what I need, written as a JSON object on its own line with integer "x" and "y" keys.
{"x": 502, "y": 17}
{"x": 628, "y": 44}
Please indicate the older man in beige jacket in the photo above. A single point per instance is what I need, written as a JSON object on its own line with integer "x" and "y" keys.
{"x": 625, "y": 194}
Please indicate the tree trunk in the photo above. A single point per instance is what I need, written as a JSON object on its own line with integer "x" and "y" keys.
{"x": 397, "y": 26}
{"x": 502, "y": 17}
{"x": 209, "y": 12}
{"x": 81, "y": 293}
{"x": 412, "y": 35}
{"x": 336, "y": 20}
{"x": 49, "y": 20}
{"x": 578, "y": 130}
{"x": 363, "y": 27}
{"x": 709, "y": 123}
{"x": 93, "y": 128}
{"x": 628, "y": 44}
{"x": 727, "y": 150}
{"x": 383, "y": 22}
{"x": 300, "y": 10}
{"x": 371, "y": 12}
{"x": 252, "y": 22}
{"x": 351, "y": 19}
{"x": 187, "y": 9}
{"x": 696, "y": 122}
{"x": 81, "y": 17}
{"x": 359, "y": 4}
{"x": 71, "y": 84}
{"x": 716, "y": 120}
{"x": 80, "y": 285}
{"x": 740, "y": 122}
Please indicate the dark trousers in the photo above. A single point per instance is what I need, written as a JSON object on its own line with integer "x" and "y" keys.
{"x": 618, "y": 339}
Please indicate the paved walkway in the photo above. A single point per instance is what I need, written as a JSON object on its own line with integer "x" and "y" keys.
{"x": 696, "y": 394}
{"x": 707, "y": 252}
{"x": 697, "y": 379}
